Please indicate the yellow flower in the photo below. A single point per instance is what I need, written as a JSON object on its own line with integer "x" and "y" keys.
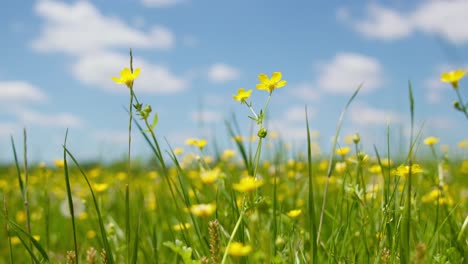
{"x": 430, "y": 141}
{"x": 59, "y": 163}
{"x": 342, "y": 151}
{"x": 210, "y": 176}
{"x": 294, "y": 213}
{"x": 178, "y": 151}
{"x": 268, "y": 84}
{"x": 453, "y": 77}
{"x": 127, "y": 77}
{"x": 247, "y": 184}
{"x": 228, "y": 154}
{"x": 403, "y": 170}
{"x": 181, "y": 226}
{"x": 375, "y": 169}
{"x": 90, "y": 234}
{"x": 203, "y": 210}
{"x": 238, "y": 249}
{"x": 200, "y": 143}
{"x": 100, "y": 187}
{"x": 242, "y": 95}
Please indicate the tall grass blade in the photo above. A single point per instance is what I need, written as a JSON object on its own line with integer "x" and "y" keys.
{"x": 96, "y": 206}
{"x": 311, "y": 207}
{"x": 331, "y": 159}
{"x": 69, "y": 196}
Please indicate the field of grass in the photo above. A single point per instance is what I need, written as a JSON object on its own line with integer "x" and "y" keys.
{"x": 260, "y": 202}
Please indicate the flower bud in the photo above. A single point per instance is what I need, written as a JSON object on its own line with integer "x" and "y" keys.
{"x": 356, "y": 138}
{"x": 457, "y": 105}
{"x": 262, "y": 133}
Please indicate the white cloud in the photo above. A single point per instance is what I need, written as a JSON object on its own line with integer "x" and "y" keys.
{"x": 446, "y": 19}
{"x": 347, "y": 71}
{"x": 384, "y": 23}
{"x": 48, "y": 120}
{"x": 304, "y": 91}
{"x": 79, "y": 28}
{"x": 111, "y": 136}
{"x": 366, "y": 115}
{"x": 7, "y": 129}
{"x": 297, "y": 114}
{"x": 222, "y": 73}
{"x": 96, "y": 69}
{"x": 206, "y": 116}
{"x": 161, "y": 3}
{"x": 20, "y": 91}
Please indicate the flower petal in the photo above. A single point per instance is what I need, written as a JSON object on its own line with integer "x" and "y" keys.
{"x": 136, "y": 72}
{"x": 263, "y": 78}
{"x": 125, "y": 72}
{"x": 117, "y": 80}
{"x": 262, "y": 86}
{"x": 281, "y": 84}
{"x": 276, "y": 77}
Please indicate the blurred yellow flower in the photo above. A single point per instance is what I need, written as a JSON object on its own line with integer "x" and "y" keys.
{"x": 178, "y": 151}
{"x": 294, "y": 213}
{"x": 242, "y": 95}
{"x": 375, "y": 169}
{"x": 247, "y": 184}
{"x": 436, "y": 195}
{"x": 340, "y": 167}
{"x": 90, "y": 234}
{"x": 59, "y": 163}
{"x": 100, "y": 187}
{"x": 342, "y": 151}
{"x": 453, "y": 77}
{"x": 127, "y": 77}
{"x": 181, "y": 226}
{"x": 268, "y": 84}
{"x": 430, "y": 141}
{"x": 228, "y": 154}
{"x": 200, "y": 143}
{"x": 403, "y": 170}
{"x": 238, "y": 249}
{"x": 210, "y": 176}
{"x": 203, "y": 210}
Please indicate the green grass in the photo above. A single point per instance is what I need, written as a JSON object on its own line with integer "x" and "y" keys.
{"x": 354, "y": 208}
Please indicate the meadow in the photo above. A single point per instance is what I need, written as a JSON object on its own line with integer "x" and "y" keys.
{"x": 258, "y": 202}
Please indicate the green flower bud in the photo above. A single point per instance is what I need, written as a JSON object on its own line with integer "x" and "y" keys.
{"x": 457, "y": 105}
{"x": 138, "y": 106}
{"x": 356, "y": 138}
{"x": 262, "y": 133}
{"x": 147, "y": 109}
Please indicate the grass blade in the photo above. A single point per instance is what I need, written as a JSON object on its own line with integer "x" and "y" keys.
{"x": 69, "y": 196}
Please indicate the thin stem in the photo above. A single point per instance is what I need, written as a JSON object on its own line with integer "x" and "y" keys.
{"x": 232, "y": 237}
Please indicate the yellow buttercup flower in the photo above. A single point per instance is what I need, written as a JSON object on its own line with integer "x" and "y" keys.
{"x": 210, "y": 176}
{"x": 247, "y": 184}
{"x": 342, "y": 151}
{"x": 203, "y": 210}
{"x": 294, "y": 213}
{"x": 242, "y": 95}
{"x": 127, "y": 77}
{"x": 430, "y": 141}
{"x": 200, "y": 143}
{"x": 238, "y": 249}
{"x": 453, "y": 77}
{"x": 268, "y": 84}
{"x": 403, "y": 170}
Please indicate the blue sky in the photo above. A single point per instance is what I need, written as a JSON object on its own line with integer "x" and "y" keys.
{"x": 58, "y": 58}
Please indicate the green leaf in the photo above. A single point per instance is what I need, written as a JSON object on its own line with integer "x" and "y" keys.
{"x": 155, "y": 121}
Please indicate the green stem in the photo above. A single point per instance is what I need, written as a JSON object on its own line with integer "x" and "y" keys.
{"x": 232, "y": 237}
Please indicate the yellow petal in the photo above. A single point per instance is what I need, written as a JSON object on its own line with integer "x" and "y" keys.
{"x": 276, "y": 77}
{"x": 125, "y": 71}
{"x": 117, "y": 80}
{"x": 263, "y": 78}
{"x": 281, "y": 84}
{"x": 262, "y": 86}
{"x": 136, "y": 72}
